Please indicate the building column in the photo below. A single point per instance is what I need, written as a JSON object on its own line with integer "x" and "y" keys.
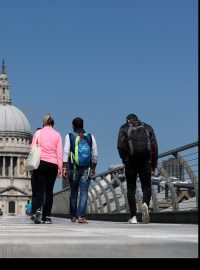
{"x": 4, "y": 167}
{"x": 17, "y": 170}
{"x": 11, "y": 166}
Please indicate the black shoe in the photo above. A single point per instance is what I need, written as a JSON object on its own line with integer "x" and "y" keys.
{"x": 46, "y": 220}
{"x": 38, "y": 216}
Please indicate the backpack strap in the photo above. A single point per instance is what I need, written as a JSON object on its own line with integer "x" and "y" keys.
{"x": 131, "y": 127}
{"x": 88, "y": 138}
{"x": 72, "y": 138}
{"x": 72, "y": 141}
{"x": 147, "y": 130}
{"x": 148, "y": 135}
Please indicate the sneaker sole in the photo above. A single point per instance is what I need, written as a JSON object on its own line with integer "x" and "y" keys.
{"x": 83, "y": 222}
{"x": 129, "y": 222}
{"x": 145, "y": 214}
{"x": 47, "y": 222}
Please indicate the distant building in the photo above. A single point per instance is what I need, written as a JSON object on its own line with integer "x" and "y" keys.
{"x": 15, "y": 138}
{"x": 173, "y": 168}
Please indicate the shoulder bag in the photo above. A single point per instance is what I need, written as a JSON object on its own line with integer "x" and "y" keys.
{"x": 33, "y": 160}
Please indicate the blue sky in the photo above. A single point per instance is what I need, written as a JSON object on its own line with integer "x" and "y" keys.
{"x": 102, "y": 60}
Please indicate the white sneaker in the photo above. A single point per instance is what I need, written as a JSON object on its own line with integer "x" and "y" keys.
{"x": 133, "y": 220}
{"x": 145, "y": 213}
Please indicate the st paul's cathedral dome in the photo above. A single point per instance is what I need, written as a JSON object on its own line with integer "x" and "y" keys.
{"x": 15, "y": 138}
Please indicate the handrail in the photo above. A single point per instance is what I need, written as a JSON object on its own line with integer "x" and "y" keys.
{"x": 171, "y": 152}
{"x": 179, "y": 149}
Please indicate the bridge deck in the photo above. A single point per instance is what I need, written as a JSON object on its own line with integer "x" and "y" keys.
{"x": 20, "y": 238}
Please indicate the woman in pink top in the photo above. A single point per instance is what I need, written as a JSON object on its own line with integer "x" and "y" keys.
{"x": 50, "y": 168}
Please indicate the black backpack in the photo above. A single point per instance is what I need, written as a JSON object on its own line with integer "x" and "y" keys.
{"x": 139, "y": 142}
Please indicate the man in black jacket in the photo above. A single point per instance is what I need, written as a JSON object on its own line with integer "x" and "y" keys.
{"x": 138, "y": 149}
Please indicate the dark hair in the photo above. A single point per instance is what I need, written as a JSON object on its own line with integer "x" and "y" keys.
{"x": 77, "y": 123}
{"x": 131, "y": 117}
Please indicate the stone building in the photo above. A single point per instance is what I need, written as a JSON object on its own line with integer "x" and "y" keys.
{"x": 15, "y": 137}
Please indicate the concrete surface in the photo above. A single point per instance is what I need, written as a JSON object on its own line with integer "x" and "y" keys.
{"x": 20, "y": 238}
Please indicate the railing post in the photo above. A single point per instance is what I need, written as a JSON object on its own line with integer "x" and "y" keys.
{"x": 123, "y": 191}
{"x": 166, "y": 191}
{"x": 154, "y": 199}
{"x": 93, "y": 199}
{"x": 196, "y": 187}
{"x": 175, "y": 205}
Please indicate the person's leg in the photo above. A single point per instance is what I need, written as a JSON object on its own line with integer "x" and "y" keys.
{"x": 39, "y": 182}
{"x": 145, "y": 179}
{"x": 33, "y": 193}
{"x": 131, "y": 176}
{"x": 44, "y": 200}
{"x": 51, "y": 172}
{"x": 84, "y": 186}
{"x": 74, "y": 184}
{"x": 29, "y": 211}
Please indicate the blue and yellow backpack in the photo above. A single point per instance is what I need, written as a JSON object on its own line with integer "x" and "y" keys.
{"x": 81, "y": 147}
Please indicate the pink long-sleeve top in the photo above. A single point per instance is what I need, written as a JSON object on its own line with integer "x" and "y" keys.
{"x": 50, "y": 142}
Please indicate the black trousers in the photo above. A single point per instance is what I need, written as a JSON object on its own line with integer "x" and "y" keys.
{"x": 133, "y": 169}
{"x": 44, "y": 180}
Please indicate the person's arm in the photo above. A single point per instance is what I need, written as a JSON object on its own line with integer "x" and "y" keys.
{"x": 154, "y": 152}
{"x": 94, "y": 155}
{"x": 59, "y": 156}
{"x": 122, "y": 145}
{"x": 66, "y": 154}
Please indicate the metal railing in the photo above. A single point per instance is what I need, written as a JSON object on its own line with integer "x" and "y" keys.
{"x": 174, "y": 188}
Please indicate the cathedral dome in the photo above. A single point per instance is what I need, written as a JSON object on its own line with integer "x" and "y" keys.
{"x": 13, "y": 120}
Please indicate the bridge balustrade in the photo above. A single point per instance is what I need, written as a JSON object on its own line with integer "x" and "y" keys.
{"x": 174, "y": 188}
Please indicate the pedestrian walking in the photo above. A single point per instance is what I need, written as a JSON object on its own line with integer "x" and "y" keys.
{"x": 28, "y": 208}
{"x": 138, "y": 149}
{"x": 80, "y": 157}
{"x": 50, "y": 143}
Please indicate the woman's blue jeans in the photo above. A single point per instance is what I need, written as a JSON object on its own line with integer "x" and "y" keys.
{"x": 79, "y": 179}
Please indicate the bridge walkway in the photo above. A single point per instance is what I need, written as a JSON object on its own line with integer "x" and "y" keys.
{"x": 20, "y": 238}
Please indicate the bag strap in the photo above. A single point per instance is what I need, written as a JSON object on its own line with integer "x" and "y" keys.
{"x": 88, "y": 138}
{"x": 37, "y": 142}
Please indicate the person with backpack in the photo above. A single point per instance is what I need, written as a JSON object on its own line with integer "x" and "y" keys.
{"x": 138, "y": 149}
{"x": 79, "y": 162}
